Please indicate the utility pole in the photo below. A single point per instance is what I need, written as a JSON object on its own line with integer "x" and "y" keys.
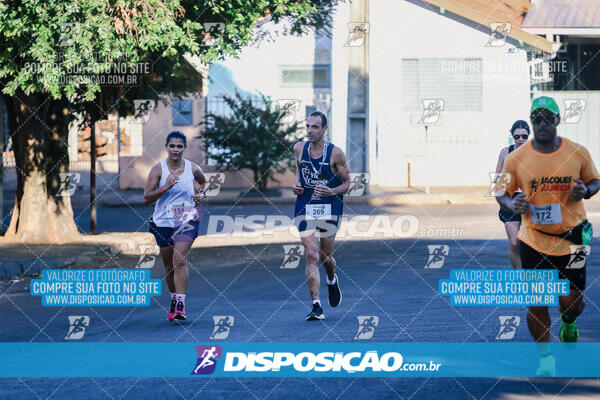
{"x": 357, "y": 138}
{"x": 118, "y": 147}
{"x": 2, "y": 131}
{"x": 92, "y": 176}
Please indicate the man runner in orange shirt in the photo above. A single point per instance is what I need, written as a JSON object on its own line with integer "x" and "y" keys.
{"x": 555, "y": 174}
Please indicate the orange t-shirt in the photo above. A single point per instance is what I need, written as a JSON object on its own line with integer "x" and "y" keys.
{"x": 547, "y": 179}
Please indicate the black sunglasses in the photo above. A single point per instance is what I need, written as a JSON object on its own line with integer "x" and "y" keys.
{"x": 538, "y": 118}
{"x": 517, "y": 137}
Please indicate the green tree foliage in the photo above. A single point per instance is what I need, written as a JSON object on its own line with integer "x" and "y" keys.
{"x": 46, "y": 47}
{"x": 253, "y": 136}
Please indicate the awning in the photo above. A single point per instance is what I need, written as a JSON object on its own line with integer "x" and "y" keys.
{"x": 563, "y": 17}
{"x": 485, "y": 12}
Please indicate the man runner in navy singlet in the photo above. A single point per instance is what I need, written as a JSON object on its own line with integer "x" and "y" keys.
{"x": 322, "y": 178}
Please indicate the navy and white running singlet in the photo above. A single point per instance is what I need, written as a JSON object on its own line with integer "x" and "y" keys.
{"x": 312, "y": 211}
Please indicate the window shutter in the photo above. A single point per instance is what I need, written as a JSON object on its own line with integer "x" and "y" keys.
{"x": 183, "y": 112}
{"x": 455, "y": 80}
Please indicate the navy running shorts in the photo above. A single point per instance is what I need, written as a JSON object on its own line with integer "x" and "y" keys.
{"x": 508, "y": 216}
{"x": 166, "y": 236}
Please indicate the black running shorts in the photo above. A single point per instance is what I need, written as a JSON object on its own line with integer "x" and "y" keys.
{"x": 533, "y": 259}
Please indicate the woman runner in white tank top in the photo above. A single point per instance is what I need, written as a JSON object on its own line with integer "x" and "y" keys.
{"x": 177, "y": 186}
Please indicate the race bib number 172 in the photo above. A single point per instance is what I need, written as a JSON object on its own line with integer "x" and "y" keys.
{"x": 545, "y": 215}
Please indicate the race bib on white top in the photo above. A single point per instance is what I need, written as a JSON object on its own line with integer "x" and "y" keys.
{"x": 545, "y": 215}
{"x": 180, "y": 210}
{"x": 318, "y": 211}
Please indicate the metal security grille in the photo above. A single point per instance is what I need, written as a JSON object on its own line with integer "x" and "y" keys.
{"x": 458, "y": 81}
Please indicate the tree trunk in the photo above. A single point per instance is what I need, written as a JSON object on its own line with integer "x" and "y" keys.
{"x": 1, "y": 163}
{"x": 38, "y": 127}
{"x": 260, "y": 181}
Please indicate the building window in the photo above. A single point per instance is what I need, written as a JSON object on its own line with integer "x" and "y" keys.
{"x": 183, "y": 112}
{"x": 309, "y": 110}
{"x": 575, "y": 67}
{"x": 458, "y": 81}
{"x": 315, "y": 76}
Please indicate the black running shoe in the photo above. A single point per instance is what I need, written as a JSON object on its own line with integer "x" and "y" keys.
{"x": 316, "y": 313}
{"x": 171, "y": 313}
{"x": 180, "y": 312}
{"x": 335, "y": 294}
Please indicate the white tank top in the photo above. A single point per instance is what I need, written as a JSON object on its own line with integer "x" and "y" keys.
{"x": 179, "y": 195}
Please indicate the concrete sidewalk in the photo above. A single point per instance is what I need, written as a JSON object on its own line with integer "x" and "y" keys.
{"x": 376, "y": 196}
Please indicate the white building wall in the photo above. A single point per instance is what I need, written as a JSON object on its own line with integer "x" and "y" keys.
{"x": 464, "y": 148}
{"x": 582, "y": 127}
{"x": 339, "y": 75}
{"x": 257, "y": 69}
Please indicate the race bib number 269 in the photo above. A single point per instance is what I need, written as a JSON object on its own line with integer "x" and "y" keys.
{"x": 318, "y": 211}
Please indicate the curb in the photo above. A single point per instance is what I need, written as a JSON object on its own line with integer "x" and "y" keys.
{"x": 380, "y": 198}
{"x": 376, "y": 200}
{"x": 27, "y": 267}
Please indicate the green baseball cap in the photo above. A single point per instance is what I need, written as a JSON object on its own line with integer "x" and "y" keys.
{"x": 545, "y": 102}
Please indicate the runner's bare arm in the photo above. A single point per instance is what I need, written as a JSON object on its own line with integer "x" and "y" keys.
{"x": 593, "y": 186}
{"x": 584, "y": 190}
{"x": 518, "y": 204}
{"x": 151, "y": 192}
{"x": 199, "y": 178}
{"x": 340, "y": 168}
{"x": 501, "y": 158}
{"x": 509, "y": 185}
{"x": 298, "y": 153}
{"x": 505, "y": 201}
{"x": 297, "y": 188}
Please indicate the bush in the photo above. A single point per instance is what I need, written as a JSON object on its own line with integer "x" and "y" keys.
{"x": 253, "y": 136}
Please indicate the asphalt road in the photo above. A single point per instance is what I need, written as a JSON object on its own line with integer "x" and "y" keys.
{"x": 385, "y": 278}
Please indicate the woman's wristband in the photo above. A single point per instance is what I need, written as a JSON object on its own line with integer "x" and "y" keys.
{"x": 162, "y": 189}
